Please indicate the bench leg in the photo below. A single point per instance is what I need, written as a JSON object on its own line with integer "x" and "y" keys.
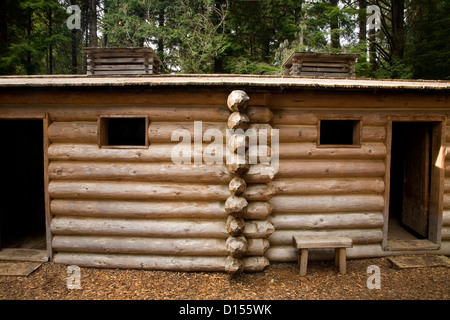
{"x": 342, "y": 260}
{"x": 303, "y": 261}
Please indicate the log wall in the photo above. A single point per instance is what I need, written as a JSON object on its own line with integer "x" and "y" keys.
{"x": 320, "y": 191}
{"x": 135, "y": 208}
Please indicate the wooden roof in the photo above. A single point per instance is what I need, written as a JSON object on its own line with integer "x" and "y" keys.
{"x": 217, "y": 80}
{"x": 317, "y": 56}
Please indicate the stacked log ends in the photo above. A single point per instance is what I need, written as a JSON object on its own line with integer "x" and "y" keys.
{"x": 238, "y": 120}
{"x": 238, "y": 101}
{"x": 237, "y": 186}
{"x": 236, "y": 205}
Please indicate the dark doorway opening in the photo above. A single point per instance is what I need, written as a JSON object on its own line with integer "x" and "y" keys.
{"x": 410, "y": 180}
{"x": 22, "y": 205}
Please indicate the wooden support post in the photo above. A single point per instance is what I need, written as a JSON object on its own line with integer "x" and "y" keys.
{"x": 303, "y": 261}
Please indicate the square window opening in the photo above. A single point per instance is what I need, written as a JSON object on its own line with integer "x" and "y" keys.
{"x": 340, "y": 133}
{"x": 123, "y": 132}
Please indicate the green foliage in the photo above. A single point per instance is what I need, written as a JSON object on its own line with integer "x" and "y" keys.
{"x": 229, "y": 36}
{"x": 34, "y": 30}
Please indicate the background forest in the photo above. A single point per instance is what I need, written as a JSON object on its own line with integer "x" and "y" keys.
{"x": 229, "y": 36}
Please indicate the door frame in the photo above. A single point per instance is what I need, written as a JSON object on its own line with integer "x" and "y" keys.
{"x": 438, "y": 153}
{"x": 45, "y": 123}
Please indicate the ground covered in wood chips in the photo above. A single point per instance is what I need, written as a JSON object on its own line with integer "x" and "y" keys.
{"x": 277, "y": 282}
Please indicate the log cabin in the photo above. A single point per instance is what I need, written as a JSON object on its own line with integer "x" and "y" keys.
{"x": 88, "y": 164}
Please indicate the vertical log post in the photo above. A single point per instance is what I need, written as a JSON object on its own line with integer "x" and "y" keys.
{"x": 236, "y": 205}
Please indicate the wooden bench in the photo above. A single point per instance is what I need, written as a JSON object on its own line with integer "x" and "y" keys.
{"x": 303, "y": 243}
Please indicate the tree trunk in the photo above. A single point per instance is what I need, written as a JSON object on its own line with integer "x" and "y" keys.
{"x": 93, "y": 23}
{"x": 74, "y": 52}
{"x": 334, "y": 27}
{"x": 362, "y": 17}
{"x": 50, "y": 47}
{"x": 398, "y": 28}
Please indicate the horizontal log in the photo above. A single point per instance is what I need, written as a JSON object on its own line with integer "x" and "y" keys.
{"x": 358, "y": 236}
{"x": 290, "y": 253}
{"x": 308, "y": 133}
{"x": 153, "y": 209}
{"x": 331, "y": 169}
{"x": 327, "y": 221}
{"x": 373, "y": 151}
{"x": 138, "y": 209}
{"x": 328, "y": 186}
{"x": 373, "y": 134}
{"x": 259, "y": 192}
{"x": 446, "y": 201}
{"x": 292, "y": 134}
{"x": 161, "y": 132}
{"x": 125, "y": 190}
{"x": 152, "y": 246}
{"x": 160, "y": 263}
{"x": 85, "y": 132}
{"x": 323, "y": 204}
{"x": 305, "y": 117}
{"x": 148, "y": 172}
{"x": 62, "y": 225}
{"x": 91, "y": 152}
{"x": 138, "y": 172}
{"x": 446, "y": 218}
{"x": 445, "y": 234}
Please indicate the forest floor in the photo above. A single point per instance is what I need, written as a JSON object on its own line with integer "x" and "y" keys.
{"x": 278, "y": 282}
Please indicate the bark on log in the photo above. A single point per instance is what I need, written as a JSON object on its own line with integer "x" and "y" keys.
{"x": 233, "y": 265}
{"x": 125, "y": 190}
{"x": 238, "y": 101}
{"x": 327, "y": 221}
{"x": 138, "y": 172}
{"x": 74, "y": 132}
{"x": 331, "y": 169}
{"x": 237, "y": 186}
{"x": 324, "y": 204}
{"x": 236, "y": 247}
{"x": 62, "y": 225}
{"x": 359, "y": 236}
{"x": 150, "y": 246}
{"x": 328, "y": 186}
{"x": 238, "y": 120}
{"x": 373, "y": 151}
{"x": 236, "y": 206}
{"x": 235, "y": 227}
